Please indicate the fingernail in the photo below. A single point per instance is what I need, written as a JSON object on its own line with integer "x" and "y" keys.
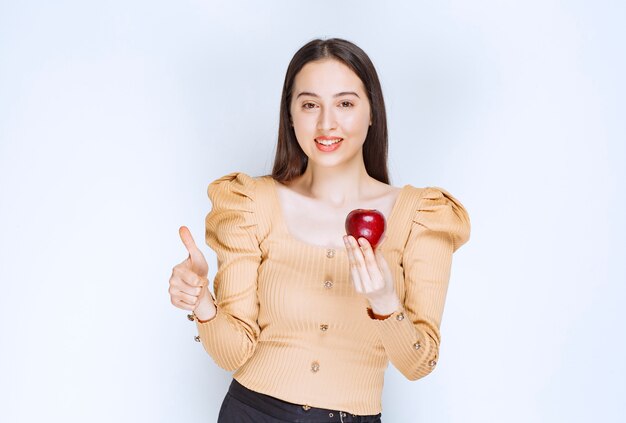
{"x": 362, "y": 242}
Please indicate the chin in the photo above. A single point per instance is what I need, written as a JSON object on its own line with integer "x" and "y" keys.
{"x": 331, "y": 162}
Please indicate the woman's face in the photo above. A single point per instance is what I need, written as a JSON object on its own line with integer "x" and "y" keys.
{"x": 330, "y": 113}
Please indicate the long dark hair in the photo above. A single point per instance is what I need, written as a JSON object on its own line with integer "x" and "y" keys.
{"x": 290, "y": 160}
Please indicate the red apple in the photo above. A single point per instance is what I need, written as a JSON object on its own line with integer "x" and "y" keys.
{"x": 366, "y": 223}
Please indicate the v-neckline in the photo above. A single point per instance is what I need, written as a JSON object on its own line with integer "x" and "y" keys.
{"x": 279, "y": 217}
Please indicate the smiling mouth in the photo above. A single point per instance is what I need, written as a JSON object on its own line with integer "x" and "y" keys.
{"x": 329, "y": 142}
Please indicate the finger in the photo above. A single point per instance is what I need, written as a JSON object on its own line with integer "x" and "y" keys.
{"x": 184, "y": 287}
{"x": 356, "y": 280}
{"x": 195, "y": 254}
{"x": 182, "y": 305}
{"x": 360, "y": 265}
{"x": 373, "y": 271}
{"x": 382, "y": 263}
{"x": 354, "y": 271}
{"x": 179, "y": 286}
{"x": 186, "y": 299}
{"x": 189, "y": 277}
{"x": 187, "y": 239}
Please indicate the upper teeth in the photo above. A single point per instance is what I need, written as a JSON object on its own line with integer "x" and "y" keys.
{"x": 329, "y": 142}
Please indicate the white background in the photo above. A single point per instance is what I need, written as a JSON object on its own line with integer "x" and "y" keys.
{"x": 115, "y": 116}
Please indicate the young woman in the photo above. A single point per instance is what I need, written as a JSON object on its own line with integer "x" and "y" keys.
{"x": 307, "y": 317}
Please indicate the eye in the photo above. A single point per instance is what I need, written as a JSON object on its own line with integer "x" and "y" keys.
{"x": 346, "y": 104}
{"x": 308, "y": 105}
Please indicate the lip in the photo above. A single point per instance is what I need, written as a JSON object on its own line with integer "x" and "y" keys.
{"x": 328, "y": 148}
{"x": 326, "y": 138}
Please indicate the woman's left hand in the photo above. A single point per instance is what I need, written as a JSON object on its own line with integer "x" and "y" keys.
{"x": 371, "y": 275}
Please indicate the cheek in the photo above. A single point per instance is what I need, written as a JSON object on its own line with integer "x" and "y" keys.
{"x": 304, "y": 125}
{"x": 357, "y": 123}
{"x": 300, "y": 121}
{"x": 302, "y": 131}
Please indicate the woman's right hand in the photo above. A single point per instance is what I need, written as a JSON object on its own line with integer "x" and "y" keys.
{"x": 189, "y": 286}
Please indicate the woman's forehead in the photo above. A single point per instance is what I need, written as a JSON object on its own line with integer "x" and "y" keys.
{"x": 327, "y": 78}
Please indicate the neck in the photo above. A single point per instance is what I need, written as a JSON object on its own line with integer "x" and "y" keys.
{"x": 337, "y": 185}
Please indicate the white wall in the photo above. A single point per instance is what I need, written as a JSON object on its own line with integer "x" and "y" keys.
{"x": 115, "y": 116}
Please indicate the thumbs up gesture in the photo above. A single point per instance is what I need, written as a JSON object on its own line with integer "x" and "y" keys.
{"x": 189, "y": 286}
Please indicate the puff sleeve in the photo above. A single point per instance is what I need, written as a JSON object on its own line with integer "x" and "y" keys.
{"x": 231, "y": 231}
{"x": 411, "y": 335}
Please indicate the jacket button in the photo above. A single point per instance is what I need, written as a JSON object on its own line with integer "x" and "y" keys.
{"x": 431, "y": 363}
{"x": 330, "y": 253}
{"x": 417, "y": 345}
{"x": 323, "y": 328}
{"x": 400, "y": 317}
{"x": 328, "y": 284}
{"x": 315, "y": 366}
{"x": 197, "y": 338}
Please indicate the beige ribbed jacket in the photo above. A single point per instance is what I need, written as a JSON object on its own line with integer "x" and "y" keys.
{"x": 289, "y": 322}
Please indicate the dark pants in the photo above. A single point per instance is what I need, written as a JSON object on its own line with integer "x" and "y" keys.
{"x": 241, "y": 405}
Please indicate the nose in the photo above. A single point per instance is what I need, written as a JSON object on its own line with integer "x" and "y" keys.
{"x": 327, "y": 119}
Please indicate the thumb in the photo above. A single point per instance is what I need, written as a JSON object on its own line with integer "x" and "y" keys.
{"x": 198, "y": 263}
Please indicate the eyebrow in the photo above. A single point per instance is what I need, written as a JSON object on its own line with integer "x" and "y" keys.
{"x": 336, "y": 95}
